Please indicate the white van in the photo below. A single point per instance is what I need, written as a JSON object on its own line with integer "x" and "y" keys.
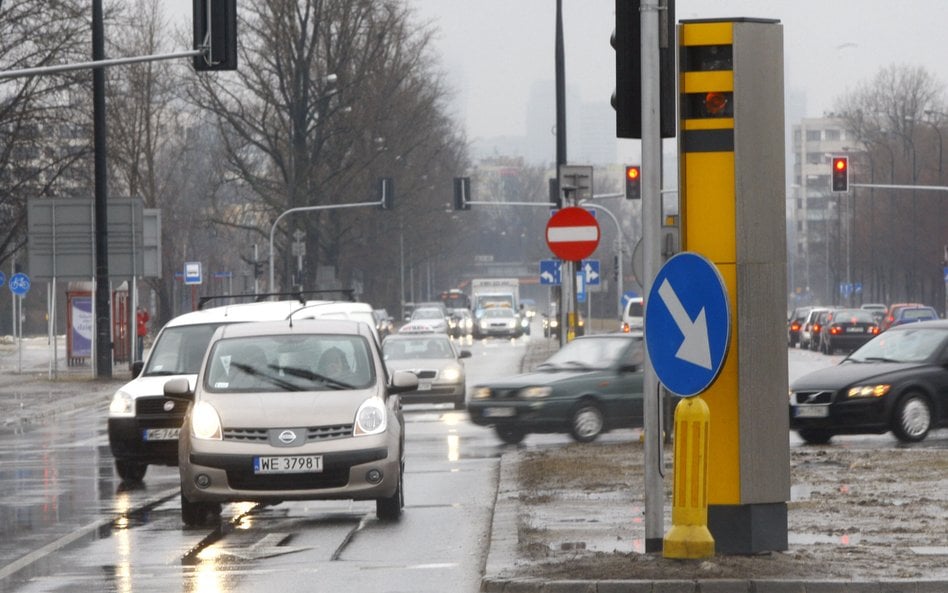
{"x": 143, "y": 424}
{"x": 633, "y": 316}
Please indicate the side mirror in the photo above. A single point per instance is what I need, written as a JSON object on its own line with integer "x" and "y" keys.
{"x": 137, "y": 368}
{"x": 179, "y": 389}
{"x": 403, "y": 381}
{"x": 464, "y": 354}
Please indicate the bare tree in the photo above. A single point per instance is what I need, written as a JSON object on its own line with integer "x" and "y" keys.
{"x": 330, "y": 95}
{"x": 899, "y": 234}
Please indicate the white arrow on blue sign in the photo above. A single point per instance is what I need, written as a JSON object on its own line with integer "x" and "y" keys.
{"x": 687, "y": 324}
{"x": 550, "y": 272}
{"x": 591, "y": 271}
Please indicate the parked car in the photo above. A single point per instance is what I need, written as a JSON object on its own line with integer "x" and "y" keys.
{"x": 435, "y": 360}
{"x": 551, "y": 326}
{"x": 795, "y": 324}
{"x": 591, "y": 385}
{"x": 894, "y": 311}
{"x": 433, "y": 317}
{"x": 846, "y": 329}
{"x": 912, "y": 314}
{"x": 291, "y": 410}
{"x": 806, "y": 331}
{"x": 498, "y": 321}
{"x": 897, "y": 381}
{"x": 633, "y": 315}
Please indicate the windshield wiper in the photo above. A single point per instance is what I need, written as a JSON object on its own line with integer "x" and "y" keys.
{"x": 308, "y": 374}
{"x": 579, "y": 364}
{"x": 254, "y": 372}
{"x": 880, "y": 359}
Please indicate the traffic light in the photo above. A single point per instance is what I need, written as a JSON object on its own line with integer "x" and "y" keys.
{"x": 840, "y": 174}
{"x": 626, "y": 40}
{"x": 556, "y": 199}
{"x": 633, "y": 182}
{"x": 215, "y": 27}
{"x": 462, "y": 193}
{"x": 386, "y": 193}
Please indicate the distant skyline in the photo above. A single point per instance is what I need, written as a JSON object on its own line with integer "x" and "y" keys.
{"x": 493, "y": 51}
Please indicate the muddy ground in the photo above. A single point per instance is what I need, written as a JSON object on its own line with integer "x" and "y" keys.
{"x": 853, "y": 514}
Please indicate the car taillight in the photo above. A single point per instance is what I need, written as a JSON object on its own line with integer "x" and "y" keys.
{"x": 795, "y": 326}
{"x": 835, "y": 330}
{"x": 874, "y": 329}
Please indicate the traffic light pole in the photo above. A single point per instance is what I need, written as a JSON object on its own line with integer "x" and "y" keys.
{"x": 651, "y": 240}
{"x": 308, "y": 209}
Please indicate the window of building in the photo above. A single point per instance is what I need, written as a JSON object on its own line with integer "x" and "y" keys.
{"x": 813, "y": 136}
{"x": 834, "y": 135}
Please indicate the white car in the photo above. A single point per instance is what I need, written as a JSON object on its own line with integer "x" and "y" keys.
{"x": 435, "y": 360}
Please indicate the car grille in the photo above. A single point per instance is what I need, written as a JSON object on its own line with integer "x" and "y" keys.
{"x": 313, "y": 433}
{"x": 247, "y": 480}
{"x": 503, "y": 393}
{"x": 426, "y": 374}
{"x": 155, "y": 406}
{"x": 813, "y": 397}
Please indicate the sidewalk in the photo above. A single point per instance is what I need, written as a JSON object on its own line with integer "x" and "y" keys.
{"x": 31, "y": 390}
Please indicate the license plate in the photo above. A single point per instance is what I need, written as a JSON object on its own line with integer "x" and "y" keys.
{"x": 855, "y": 330}
{"x": 288, "y": 464}
{"x": 424, "y": 387}
{"x": 499, "y": 412}
{"x": 160, "y": 434}
{"x": 812, "y": 412}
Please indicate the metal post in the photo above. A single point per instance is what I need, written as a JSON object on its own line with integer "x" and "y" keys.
{"x": 651, "y": 238}
{"x": 619, "y": 291}
{"x": 103, "y": 317}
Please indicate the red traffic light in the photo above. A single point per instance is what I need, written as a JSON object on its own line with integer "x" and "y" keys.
{"x": 633, "y": 177}
{"x": 840, "y": 174}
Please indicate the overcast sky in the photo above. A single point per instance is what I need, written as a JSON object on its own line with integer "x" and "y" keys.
{"x": 493, "y": 50}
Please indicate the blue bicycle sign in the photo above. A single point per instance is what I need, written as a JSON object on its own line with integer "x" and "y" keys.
{"x": 19, "y": 284}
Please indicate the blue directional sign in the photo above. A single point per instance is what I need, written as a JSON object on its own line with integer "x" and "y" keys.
{"x": 19, "y": 284}
{"x": 580, "y": 287}
{"x": 550, "y": 271}
{"x": 2, "y": 278}
{"x": 687, "y": 324}
{"x": 591, "y": 271}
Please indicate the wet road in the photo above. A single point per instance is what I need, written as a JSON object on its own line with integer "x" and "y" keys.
{"x": 68, "y": 524}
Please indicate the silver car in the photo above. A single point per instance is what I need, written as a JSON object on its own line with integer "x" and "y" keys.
{"x": 292, "y": 410}
{"x": 435, "y": 360}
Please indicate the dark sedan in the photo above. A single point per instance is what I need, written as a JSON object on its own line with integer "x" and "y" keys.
{"x": 591, "y": 385}
{"x": 847, "y": 329}
{"x": 897, "y": 381}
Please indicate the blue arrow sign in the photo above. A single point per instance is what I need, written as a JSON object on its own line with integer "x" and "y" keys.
{"x": 550, "y": 272}
{"x": 19, "y": 284}
{"x": 687, "y": 324}
{"x": 591, "y": 271}
{"x": 580, "y": 287}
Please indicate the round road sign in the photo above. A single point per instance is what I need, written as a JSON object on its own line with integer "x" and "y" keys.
{"x": 572, "y": 234}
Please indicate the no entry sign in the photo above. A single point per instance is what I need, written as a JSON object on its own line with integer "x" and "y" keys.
{"x": 572, "y": 234}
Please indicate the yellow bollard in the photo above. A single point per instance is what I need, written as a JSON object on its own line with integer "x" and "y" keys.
{"x": 689, "y": 536}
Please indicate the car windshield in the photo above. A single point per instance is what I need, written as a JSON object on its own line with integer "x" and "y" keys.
{"x": 917, "y": 314}
{"x": 910, "y": 345}
{"x": 277, "y": 363}
{"x": 594, "y": 353}
{"x": 180, "y": 350}
{"x": 429, "y": 347}
{"x": 853, "y": 316}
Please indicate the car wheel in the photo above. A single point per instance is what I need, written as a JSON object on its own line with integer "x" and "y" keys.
{"x": 390, "y": 507}
{"x": 815, "y": 436}
{"x": 198, "y": 513}
{"x": 130, "y": 471}
{"x": 587, "y": 422}
{"x": 510, "y": 435}
{"x": 912, "y": 418}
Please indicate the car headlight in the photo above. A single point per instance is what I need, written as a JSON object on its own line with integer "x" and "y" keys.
{"x": 122, "y": 405}
{"x": 533, "y": 392}
{"x": 481, "y": 393}
{"x": 483, "y": 324}
{"x": 869, "y": 390}
{"x": 450, "y": 374}
{"x": 371, "y": 418}
{"x": 205, "y": 422}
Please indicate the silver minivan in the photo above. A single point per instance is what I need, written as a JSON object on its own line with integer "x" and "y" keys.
{"x": 633, "y": 316}
{"x": 291, "y": 410}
